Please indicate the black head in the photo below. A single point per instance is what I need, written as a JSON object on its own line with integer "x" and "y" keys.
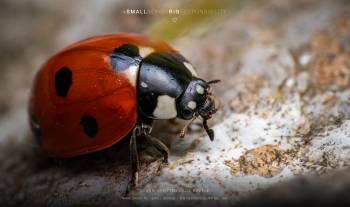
{"x": 197, "y": 101}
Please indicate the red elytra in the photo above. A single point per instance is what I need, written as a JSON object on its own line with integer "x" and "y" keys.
{"x": 96, "y": 95}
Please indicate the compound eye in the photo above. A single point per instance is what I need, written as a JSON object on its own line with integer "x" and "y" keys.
{"x": 187, "y": 114}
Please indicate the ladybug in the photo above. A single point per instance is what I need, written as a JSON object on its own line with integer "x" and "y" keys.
{"x": 96, "y": 92}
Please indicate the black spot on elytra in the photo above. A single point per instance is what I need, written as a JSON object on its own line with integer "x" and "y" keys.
{"x": 90, "y": 126}
{"x": 125, "y": 56}
{"x": 35, "y": 127}
{"x": 63, "y": 81}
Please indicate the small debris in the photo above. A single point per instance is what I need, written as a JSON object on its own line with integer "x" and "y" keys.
{"x": 305, "y": 58}
{"x": 266, "y": 161}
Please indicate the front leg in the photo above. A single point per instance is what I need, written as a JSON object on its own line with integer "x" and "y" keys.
{"x": 159, "y": 145}
{"x": 144, "y": 129}
{"x": 134, "y": 157}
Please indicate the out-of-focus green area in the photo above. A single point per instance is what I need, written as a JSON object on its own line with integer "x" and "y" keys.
{"x": 198, "y": 13}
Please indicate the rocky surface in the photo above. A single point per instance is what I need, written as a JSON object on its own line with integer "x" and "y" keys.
{"x": 284, "y": 108}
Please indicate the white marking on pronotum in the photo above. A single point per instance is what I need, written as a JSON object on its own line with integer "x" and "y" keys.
{"x": 145, "y": 51}
{"x": 143, "y": 84}
{"x": 165, "y": 108}
{"x": 190, "y": 68}
{"x": 131, "y": 74}
{"x": 199, "y": 89}
{"x": 192, "y": 105}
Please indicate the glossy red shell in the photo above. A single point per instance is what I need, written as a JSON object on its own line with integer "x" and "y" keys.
{"x": 97, "y": 90}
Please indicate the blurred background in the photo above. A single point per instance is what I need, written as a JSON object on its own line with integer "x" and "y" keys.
{"x": 33, "y": 30}
{"x": 284, "y": 97}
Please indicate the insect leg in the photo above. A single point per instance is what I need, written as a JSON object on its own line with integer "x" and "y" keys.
{"x": 134, "y": 156}
{"x": 159, "y": 145}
